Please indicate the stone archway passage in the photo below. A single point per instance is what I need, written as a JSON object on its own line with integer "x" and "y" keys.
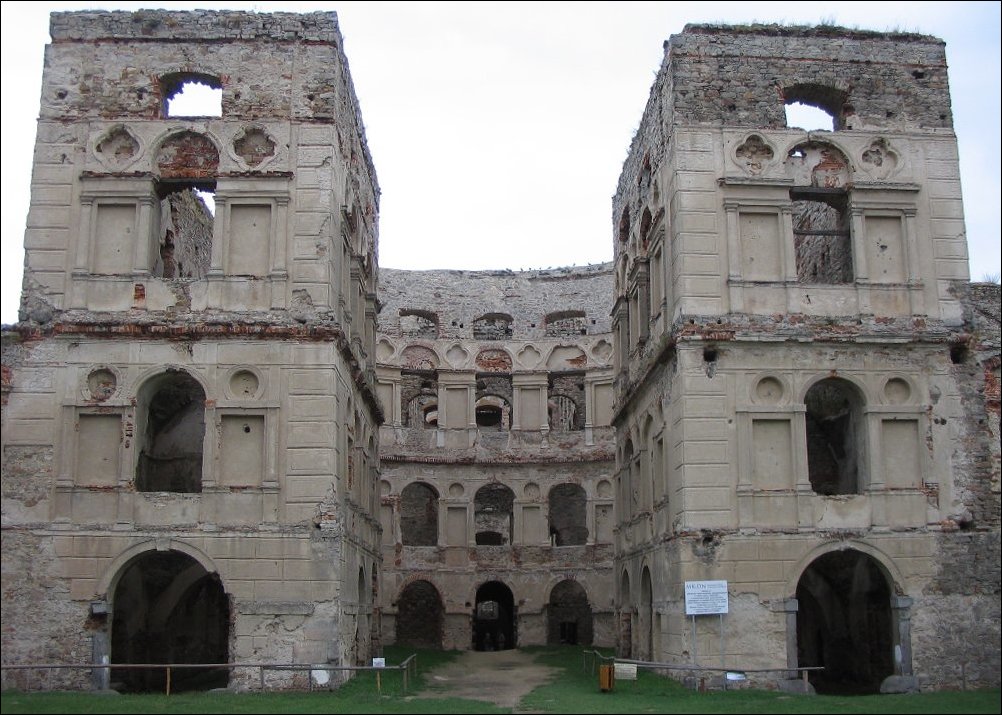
{"x": 168, "y": 609}
{"x": 420, "y": 616}
{"x": 494, "y": 618}
{"x": 569, "y": 617}
{"x": 844, "y": 623}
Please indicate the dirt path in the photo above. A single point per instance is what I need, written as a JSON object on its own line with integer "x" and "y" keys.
{"x": 502, "y": 677}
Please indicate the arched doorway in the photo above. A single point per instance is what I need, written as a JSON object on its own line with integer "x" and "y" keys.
{"x": 168, "y": 609}
{"x": 625, "y": 636}
{"x": 494, "y": 618}
{"x": 568, "y": 615}
{"x": 420, "y": 616}
{"x": 844, "y": 623}
{"x": 646, "y": 617}
{"x": 362, "y": 619}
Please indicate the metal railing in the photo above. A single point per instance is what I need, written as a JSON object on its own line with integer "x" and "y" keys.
{"x": 407, "y": 668}
{"x": 593, "y": 657}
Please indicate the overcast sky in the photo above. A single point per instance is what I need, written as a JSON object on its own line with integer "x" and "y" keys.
{"x": 498, "y": 130}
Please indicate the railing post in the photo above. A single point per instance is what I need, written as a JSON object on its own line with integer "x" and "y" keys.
{"x": 260, "y": 676}
{"x": 168, "y": 680}
{"x": 803, "y": 675}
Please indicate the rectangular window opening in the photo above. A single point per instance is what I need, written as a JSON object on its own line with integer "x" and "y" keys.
{"x": 821, "y": 236}
{"x": 187, "y": 215}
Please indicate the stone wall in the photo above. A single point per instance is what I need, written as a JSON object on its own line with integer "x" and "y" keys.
{"x": 718, "y": 83}
{"x": 459, "y": 298}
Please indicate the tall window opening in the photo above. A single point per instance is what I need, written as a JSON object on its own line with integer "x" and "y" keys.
{"x": 568, "y": 515}
{"x": 170, "y": 414}
{"x": 187, "y": 214}
{"x": 820, "y": 205}
{"x": 187, "y": 165}
{"x": 821, "y": 236}
{"x": 836, "y": 445}
{"x": 493, "y": 507}
{"x": 419, "y": 515}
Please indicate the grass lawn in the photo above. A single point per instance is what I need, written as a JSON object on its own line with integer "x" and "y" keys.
{"x": 573, "y": 691}
{"x": 577, "y": 692}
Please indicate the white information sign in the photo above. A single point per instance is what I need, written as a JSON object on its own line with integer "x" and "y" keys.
{"x": 626, "y": 671}
{"x": 704, "y": 598}
{"x": 379, "y": 662}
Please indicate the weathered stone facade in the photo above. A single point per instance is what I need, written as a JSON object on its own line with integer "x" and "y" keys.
{"x": 212, "y": 451}
{"x": 804, "y": 382}
{"x": 189, "y": 409}
{"x": 497, "y": 456}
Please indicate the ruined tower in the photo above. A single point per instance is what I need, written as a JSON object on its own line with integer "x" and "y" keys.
{"x": 798, "y": 411}
{"x": 189, "y": 414}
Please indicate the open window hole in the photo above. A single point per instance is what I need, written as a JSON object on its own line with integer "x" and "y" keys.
{"x": 809, "y": 118}
{"x": 194, "y": 96}
{"x": 187, "y": 214}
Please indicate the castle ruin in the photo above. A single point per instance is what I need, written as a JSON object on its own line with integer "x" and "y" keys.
{"x": 228, "y": 437}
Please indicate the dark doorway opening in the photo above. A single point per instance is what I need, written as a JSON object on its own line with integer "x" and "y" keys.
{"x": 168, "y": 609}
{"x": 844, "y": 623}
{"x": 568, "y": 615}
{"x": 420, "y": 616}
{"x": 494, "y": 618}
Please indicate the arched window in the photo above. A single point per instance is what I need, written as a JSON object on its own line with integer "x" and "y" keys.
{"x": 568, "y": 505}
{"x": 422, "y": 411}
{"x": 419, "y": 515}
{"x": 187, "y": 165}
{"x": 624, "y": 226}
{"x": 563, "y": 413}
{"x": 493, "y": 413}
{"x": 493, "y": 326}
{"x": 170, "y": 429}
{"x": 820, "y": 198}
{"x": 565, "y": 324}
{"x": 492, "y": 515}
{"x": 418, "y": 324}
{"x": 836, "y": 437}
